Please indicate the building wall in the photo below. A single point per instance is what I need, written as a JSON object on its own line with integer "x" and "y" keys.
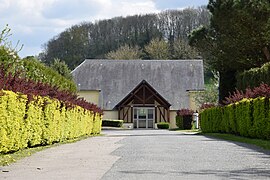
{"x": 110, "y": 114}
{"x": 90, "y": 96}
{"x": 172, "y": 119}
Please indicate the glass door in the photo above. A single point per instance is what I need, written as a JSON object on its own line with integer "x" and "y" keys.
{"x": 143, "y": 117}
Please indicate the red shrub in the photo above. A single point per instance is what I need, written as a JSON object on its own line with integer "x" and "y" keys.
{"x": 16, "y": 83}
{"x": 184, "y": 112}
{"x": 207, "y": 105}
{"x": 262, "y": 91}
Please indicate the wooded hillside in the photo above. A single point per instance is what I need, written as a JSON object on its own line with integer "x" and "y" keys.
{"x": 95, "y": 40}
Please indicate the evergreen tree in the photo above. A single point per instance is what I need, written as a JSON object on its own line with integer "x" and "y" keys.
{"x": 237, "y": 38}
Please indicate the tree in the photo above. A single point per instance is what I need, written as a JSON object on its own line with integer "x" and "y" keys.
{"x": 71, "y": 46}
{"x": 62, "y": 68}
{"x": 235, "y": 40}
{"x": 182, "y": 50}
{"x": 157, "y": 49}
{"x": 125, "y": 52}
{"x": 95, "y": 40}
{"x": 210, "y": 94}
{"x": 9, "y": 54}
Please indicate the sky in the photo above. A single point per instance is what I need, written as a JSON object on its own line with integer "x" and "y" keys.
{"x": 35, "y": 22}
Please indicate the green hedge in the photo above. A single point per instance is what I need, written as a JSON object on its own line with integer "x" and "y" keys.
{"x": 112, "y": 123}
{"x": 179, "y": 122}
{"x": 249, "y": 118}
{"x": 41, "y": 121}
{"x": 163, "y": 125}
{"x": 39, "y": 72}
{"x": 254, "y": 77}
{"x": 184, "y": 122}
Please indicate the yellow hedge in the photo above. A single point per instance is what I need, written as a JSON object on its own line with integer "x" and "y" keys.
{"x": 248, "y": 117}
{"x": 41, "y": 121}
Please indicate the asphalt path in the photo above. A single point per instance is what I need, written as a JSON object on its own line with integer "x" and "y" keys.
{"x": 144, "y": 154}
{"x": 172, "y": 155}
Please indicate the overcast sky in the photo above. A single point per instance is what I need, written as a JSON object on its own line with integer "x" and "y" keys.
{"x": 34, "y": 22}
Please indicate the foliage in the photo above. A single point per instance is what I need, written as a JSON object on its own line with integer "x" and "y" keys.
{"x": 15, "y": 83}
{"x": 95, "y": 40}
{"x": 125, "y": 52}
{"x": 8, "y": 54}
{"x": 39, "y": 72}
{"x": 261, "y": 91}
{"x": 184, "y": 112}
{"x": 163, "y": 125}
{"x": 182, "y": 50}
{"x": 157, "y": 49}
{"x": 62, "y": 68}
{"x": 5, "y": 42}
{"x": 209, "y": 95}
{"x": 248, "y": 117}
{"x": 237, "y": 35}
{"x": 112, "y": 123}
{"x": 8, "y": 58}
{"x": 41, "y": 121}
{"x": 254, "y": 77}
{"x": 207, "y": 105}
{"x": 179, "y": 122}
{"x": 184, "y": 118}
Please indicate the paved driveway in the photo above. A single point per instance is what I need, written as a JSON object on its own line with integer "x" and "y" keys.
{"x": 144, "y": 154}
{"x": 171, "y": 155}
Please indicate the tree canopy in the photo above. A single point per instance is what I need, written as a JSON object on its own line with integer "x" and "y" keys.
{"x": 237, "y": 38}
{"x": 62, "y": 68}
{"x": 96, "y": 40}
{"x": 125, "y": 52}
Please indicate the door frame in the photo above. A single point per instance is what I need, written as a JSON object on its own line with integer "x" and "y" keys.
{"x": 146, "y": 119}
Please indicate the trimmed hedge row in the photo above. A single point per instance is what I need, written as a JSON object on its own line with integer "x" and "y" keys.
{"x": 254, "y": 77}
{"x": 163, "y": 125}
{"x": 248, "y": 117}
{"x": 112, "y": 123}
{"x": 39, "y": 72}
{"x": 41, "y": 121}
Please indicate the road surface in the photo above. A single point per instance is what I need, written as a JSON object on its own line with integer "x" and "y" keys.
{"x": 144, "y": 154}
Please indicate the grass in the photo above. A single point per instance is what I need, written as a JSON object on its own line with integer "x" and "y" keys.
{"x": 265, "y": 144}
{"x": 7, "y": 159}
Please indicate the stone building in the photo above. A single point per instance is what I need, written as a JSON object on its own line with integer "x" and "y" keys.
{"x": 141, "y": 92}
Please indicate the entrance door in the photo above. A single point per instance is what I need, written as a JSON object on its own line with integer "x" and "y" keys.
{"x": 143, "y": 117}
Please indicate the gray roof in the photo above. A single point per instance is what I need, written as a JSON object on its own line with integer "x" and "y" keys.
{"x": 117, "y": 78}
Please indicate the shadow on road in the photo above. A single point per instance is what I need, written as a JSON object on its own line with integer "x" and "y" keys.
{"x": 232, "y": 174}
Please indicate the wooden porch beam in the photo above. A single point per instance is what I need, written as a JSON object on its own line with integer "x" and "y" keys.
{"x": 125, "y": 114}
{"x": 163, "y": 115}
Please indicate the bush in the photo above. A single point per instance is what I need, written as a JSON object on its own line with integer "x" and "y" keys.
{"x": 184, "y": 112}
{"x": 248, "y": 117}
{"x": 263, "y": 90}
{"x": 254, "y": 77}
{"x": 184, "y": 118}
{"x": 179, "y": 122}
{"x": 39, "y": 72}
{"x": 41, "y": 121}
{"x": 14, "y": 82}
{"x": 163, "y": 125}
{"x": 112, "y": 123}
{"x": 187, "y": 121}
